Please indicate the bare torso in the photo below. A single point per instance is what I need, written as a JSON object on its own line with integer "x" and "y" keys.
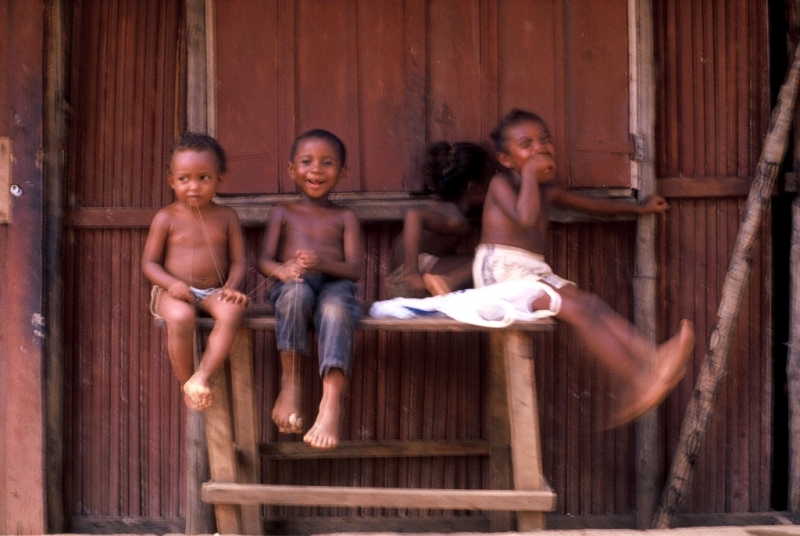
{"x": 502, "y": 226}
{"x": 196, "y": 244}
{"x": 311, "y": 227}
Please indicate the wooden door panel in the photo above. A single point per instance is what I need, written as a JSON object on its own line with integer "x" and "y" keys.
{"x": 390, "y": 76}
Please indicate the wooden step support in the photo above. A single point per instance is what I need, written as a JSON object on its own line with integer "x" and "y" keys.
{"x": 514, "y": 446}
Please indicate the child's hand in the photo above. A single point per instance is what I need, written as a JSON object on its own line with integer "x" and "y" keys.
{"x": 653, "y": 204}
{"x": 234, "y": 296}
{"x": 542, "y": 165}
{"x": 180, "y": 291}
{"x": 289, "y": 271}
{"x": 416, "y": 285}
{"x": 307, "y": 259}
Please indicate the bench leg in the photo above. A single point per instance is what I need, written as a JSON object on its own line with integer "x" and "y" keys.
{"x": 199, "y": 515}
{"x": 244, "y": 404}
{"x": 523, "y": 418}
{"x": 499, "y": 436}
{"x": 221, "y": 454}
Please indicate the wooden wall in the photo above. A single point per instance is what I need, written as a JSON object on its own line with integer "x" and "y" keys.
{"x": 22, "y": 266}
{"x": 124, "y": 420}
{"x": 713, "y": 110}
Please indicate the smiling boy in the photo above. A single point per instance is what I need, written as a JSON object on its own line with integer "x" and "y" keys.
{"x": 314, "y": 250}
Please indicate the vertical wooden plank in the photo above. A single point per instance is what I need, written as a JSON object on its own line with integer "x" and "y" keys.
{"x": 248, "y": 97}
{"x": 500, "y": 476}
{"x": 221, "y": 454}
{"x": 336, "y": 108}
{"x": 416, "y": 103}
{"x": 523, "y": 416}
{"x": 244, "y": 403}
{"x": 381, "y": 86}
{"x": 23, "y": 488}
{"x": 454, "y": 71}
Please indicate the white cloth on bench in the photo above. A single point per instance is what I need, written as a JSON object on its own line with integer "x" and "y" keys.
{"x": 493, "y": 306}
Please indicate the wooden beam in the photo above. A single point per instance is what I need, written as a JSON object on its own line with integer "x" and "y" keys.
{"x": 376, "y": 449}
{"x": 346, "y": 496}
{"x": 645, "y": 271}
{"x": 793, "y": 354}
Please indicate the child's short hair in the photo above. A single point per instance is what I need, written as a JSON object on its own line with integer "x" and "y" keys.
{"x": 198, "y": 141}
{"x": 512, "y": 118}
{"x": 320, "y": 134}
{"x": 450, "y": 167}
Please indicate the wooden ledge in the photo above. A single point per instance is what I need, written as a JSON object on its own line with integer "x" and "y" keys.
{"x": 346, "y": 496}
{"x": 425, "y": 323}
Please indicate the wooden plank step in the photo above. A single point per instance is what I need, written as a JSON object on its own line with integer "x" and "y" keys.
{"x": 297, "y": 450}
{"x": 346, "y": 496}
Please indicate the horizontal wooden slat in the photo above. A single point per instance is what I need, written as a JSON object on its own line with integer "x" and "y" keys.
{"x": 391, "y": 324}
{"x": 507, "y": 500}
{"x": 377, "y": 449}
{"x": 675, "y": 187}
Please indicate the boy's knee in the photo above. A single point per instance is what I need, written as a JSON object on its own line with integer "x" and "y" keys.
{"x": 180, "y": 317}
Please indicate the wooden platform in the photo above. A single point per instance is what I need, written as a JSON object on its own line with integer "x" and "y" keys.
{"x": 513, "y": 449}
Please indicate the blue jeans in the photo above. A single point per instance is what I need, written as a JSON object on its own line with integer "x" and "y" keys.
{"x": 332, "y": 305}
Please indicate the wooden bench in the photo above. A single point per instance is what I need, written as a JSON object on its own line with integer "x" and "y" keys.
{"x": 513, "y": 449}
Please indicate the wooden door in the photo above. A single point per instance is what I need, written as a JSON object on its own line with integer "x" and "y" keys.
{"x": 390, "y": 76}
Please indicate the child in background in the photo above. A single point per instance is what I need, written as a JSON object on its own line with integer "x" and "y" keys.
{"x": 513, "y": 241}
{"x": 195, "y": 258}
{"x": 425, "y": 257}
{"x": 314, "y": 249}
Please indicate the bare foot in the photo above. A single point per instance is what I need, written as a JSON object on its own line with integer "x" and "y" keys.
{"x": 671, "y": 357}
{"x": 286, "y": 411}
{"x": 436, "y": 284}
{"x": 196, "y": 394}
{"x": 325, "y": 432}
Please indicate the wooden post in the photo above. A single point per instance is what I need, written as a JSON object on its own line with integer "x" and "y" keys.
{"x": 643, "y": 112}
{"x": 55, "y": 141}
{"x": 793, "y": 362}
{"x": 500, "y": 453}
{"x": 715, "y": 364}
{"x": 199, "y": 515}
{"x": 523, "y": 420}
{"x": 793, "y": 356}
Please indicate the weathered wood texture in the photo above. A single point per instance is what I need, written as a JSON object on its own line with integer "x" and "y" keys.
{"x": 123, "y": 412}
{"x": 713, "y": 110}
{"x": 22, "y": 266}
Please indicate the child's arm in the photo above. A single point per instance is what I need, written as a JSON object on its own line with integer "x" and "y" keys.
{"x": 268, "y": 264}
{"x": 563, "y": 198}
{"x": 353, "y": 250}
{"x": 153, "y": 260}
{"x": 522, "y": 205}
{"x": 438, "y": 219}
{"x": 237, "y": 263}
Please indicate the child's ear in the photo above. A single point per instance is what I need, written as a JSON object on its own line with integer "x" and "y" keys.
{"x": 504, "y": 159}
{"x": 290, "y": 169}
{"x": 342, "y": 174}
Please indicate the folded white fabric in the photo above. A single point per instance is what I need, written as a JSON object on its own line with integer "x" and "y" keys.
{"x": 493, "y": 306}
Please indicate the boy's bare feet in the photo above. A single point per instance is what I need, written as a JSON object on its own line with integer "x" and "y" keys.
{"x": 286, "y": 411}
{"x": 325, "y": 432}
{"x": 671, "y": 357}
{"x": 197, "y": 394}
{"x": 436, "y": 284}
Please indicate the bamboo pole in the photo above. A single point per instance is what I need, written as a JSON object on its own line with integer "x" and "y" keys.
{"x": 715, "y": 364}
